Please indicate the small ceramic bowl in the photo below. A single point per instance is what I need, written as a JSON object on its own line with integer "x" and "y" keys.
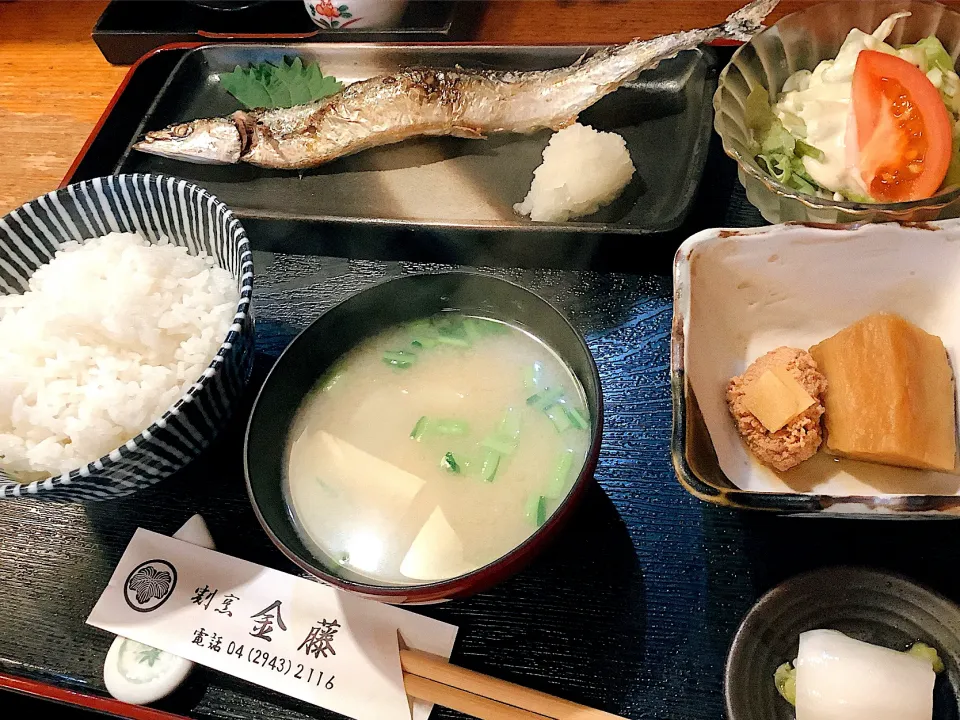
{"x": 800, "y": 41}
{"x": 228, "y": 5}
{"x": 342, "y": 328}
{"x": 740, "y": 293}
{"x": 355, "y": 14}
{"x": 155, "y": 206}
{"x": 868, "y": 605}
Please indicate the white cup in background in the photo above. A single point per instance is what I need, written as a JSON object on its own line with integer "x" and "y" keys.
{"x": 348, "y": 14}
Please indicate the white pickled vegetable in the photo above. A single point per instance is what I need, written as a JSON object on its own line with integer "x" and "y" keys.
{"x": 839, "y": 678}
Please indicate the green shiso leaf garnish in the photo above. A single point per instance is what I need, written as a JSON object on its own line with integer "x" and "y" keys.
{"x": 279, "y": 86}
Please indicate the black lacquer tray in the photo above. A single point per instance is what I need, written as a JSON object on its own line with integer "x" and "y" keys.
{"x": 631, "y": 610}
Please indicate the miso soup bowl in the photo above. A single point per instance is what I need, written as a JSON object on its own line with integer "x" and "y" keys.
{"x": 339, "y": 330}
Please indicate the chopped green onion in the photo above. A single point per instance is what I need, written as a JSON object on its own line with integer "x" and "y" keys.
{"x": 499, "y": 443}
{"x": 531, "y": 375}
{"x": 493, "y": 327}
{"x": 419, "y": 428}
{"x": 424, "y": 334}
{"x": 558, "y": 417}
{"x": 453, "y": 340}
{"x": 575, "y": 417}
{"x": 561, "y": 474}
{"x": 537, "y": 510}
{"x": 490, "y": 464}
{"x": 449, "y": 463}
{"x": 422, "y": 327}
{"x": 545, "y": 398}
{"x": 331, "y": 379}
{"x": 472, "y": 328}
{"x": 399, "y": 358}
{"x": 326, "y": 488}
{"x": 448, "y": 324}
{"x": 510, "y": 425}
{"x": 803, "y": 148}
{"x": 451, "y": 427}
{"x": 484, "y": 326}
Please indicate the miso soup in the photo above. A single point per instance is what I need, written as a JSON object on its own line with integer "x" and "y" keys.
{"x": 433, "y": 449}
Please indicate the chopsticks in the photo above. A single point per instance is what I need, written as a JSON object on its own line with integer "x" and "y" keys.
{"x": 432, "y": 679}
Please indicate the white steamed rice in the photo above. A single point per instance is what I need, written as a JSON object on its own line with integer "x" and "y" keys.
{"x": 582, "y": 170}
{"x": 108, "y": 336}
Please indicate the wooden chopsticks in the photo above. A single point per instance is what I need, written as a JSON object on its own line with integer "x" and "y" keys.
{"x": 432, "y": 679}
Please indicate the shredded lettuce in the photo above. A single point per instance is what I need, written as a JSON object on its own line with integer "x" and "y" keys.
{"x": 778, "y": 151}
{"x": 757, "y": 111}
{"x": 932, "y": 58}
{"x": 931, "y": 55}
{"x": 785, "y": 678}
{"x": 926, "y": 652}
{"x": 953, "y": 171}
{"x": 856, "y": 197}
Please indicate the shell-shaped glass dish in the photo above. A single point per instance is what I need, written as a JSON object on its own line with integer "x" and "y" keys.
{"x": 800, "y": 41}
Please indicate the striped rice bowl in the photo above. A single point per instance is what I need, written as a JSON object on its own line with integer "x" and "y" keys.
{"x": 125, "y": 334}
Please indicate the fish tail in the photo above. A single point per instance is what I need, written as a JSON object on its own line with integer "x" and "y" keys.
{"x": 746, "y": 22}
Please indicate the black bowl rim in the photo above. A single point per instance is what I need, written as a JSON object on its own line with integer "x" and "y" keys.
{"x": 245, "y": 274}
{"x": 787, "y": 586}
{"x": 482, "y": 577}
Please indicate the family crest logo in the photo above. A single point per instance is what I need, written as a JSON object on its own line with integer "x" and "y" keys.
{"x": 150, "y": 585}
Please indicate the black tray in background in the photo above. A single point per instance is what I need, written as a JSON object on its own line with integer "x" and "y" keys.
{"x": 128, "y": 29}
{"x": 631, "y": 610}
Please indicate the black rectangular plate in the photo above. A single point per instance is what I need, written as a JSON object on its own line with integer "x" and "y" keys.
{"x": 458, "y": 193}
{"x": 128, "y": 29}
{"x": 720, "y": 201}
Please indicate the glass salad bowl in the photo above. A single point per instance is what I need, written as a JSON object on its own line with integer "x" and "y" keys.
{"x": 800, "y": 41}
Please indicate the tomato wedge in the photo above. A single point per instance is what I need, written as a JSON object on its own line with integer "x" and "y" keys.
{"x": 903, "y": 128}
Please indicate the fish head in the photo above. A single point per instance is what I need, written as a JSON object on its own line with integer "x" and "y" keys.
{"x": 213, "y": 142}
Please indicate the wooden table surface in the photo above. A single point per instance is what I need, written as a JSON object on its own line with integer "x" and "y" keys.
{"x": 54, "y": 83}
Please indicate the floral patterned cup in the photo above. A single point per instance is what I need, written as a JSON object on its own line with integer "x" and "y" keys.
{"x": 342, "y": 14}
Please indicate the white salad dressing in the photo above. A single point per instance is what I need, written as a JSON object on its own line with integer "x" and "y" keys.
{"x": 818, "y": 107}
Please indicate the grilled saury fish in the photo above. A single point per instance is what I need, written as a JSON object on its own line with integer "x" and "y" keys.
{"x": 425, "y": 101}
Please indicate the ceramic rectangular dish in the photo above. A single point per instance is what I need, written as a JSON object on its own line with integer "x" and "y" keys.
{"x": 451, "y": 193}
{"x": 741, "y": 293}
